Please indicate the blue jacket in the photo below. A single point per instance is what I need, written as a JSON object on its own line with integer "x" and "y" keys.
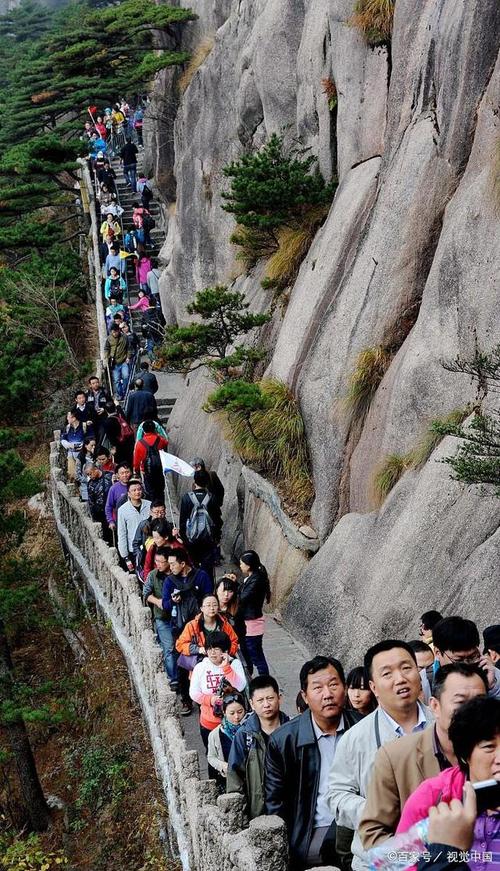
{"x": 192, "y": 598}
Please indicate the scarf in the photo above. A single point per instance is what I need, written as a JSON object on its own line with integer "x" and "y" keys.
{"x": 228, "y": 728}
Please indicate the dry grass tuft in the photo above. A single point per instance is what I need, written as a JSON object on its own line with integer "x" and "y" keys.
{"x": 371, "y": 366}
{"x": 388, "y": 474}
{"x": 198, "y": 56}
{"x": 293, "y": 245}
{"x": 374, "y": 18}
{"x": 275, "y": 440}
{"x": 395, "y": 465}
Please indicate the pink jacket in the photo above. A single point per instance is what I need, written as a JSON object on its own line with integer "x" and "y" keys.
{"x": 445, "y": 786}
{"x": 142, "y": 267}
{"x": 140, "y": 304}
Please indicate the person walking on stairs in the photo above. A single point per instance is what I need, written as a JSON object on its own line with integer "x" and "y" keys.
{"x": 128, "y": 156}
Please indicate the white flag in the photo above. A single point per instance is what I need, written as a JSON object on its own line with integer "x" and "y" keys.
{"x": 171, "y": 463}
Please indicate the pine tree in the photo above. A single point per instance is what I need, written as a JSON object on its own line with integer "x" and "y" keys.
{"x": 224, "y": 319}
{"x": 274, "y": 187}
{"x": 477, "y": 460}
{"x": 82, "y": 56}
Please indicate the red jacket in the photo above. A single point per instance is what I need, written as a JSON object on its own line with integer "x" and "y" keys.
{"x": 140, "y": 451}
{"x": 149, "y": 562}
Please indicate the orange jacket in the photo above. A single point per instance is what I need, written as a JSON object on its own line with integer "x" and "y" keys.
{"x": 193, "y": 633}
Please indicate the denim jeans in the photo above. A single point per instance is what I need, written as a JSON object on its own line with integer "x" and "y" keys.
{"x": 120, "y": 373}
{"x": 130, "y": 173}
{"x": 253, "y": 653}
{"x": 166, "y": 639}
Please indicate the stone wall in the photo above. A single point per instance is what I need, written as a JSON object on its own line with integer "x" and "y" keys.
{"x": 207, "y": 832}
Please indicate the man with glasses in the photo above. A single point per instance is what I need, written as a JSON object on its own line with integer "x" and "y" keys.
{"x": 457, "y": 640}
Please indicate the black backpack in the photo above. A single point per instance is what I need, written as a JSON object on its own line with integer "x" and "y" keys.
{"x": 148, "y": 222}
{"x": 153, "y": 468}
{"x": 200, "y": 526}
{"x": 188, "y": 607}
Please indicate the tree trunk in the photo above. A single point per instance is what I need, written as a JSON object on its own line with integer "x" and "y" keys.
{"x": 31, "y": 789}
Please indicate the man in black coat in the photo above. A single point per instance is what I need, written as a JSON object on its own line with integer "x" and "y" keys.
{"x": 149, "y": 378}
{"x": 202, "y": 552}
{"x": 215, "y": 484}
{"x": 99, "y": 485}
{"x": 298, "y": 760}
{"x": 141, "y": 405}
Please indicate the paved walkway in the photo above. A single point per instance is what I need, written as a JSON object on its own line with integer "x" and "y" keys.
{"x": 285, "y": 658}
{"x": 284, "y": 655}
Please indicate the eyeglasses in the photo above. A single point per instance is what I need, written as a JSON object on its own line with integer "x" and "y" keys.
{"x": 470, "y": 659}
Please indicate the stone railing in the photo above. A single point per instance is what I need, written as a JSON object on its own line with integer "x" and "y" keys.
{"x": 208, "y": 832}
{"x": 95, "y": 283}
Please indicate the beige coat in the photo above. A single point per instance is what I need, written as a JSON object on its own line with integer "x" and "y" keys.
{"x": 398, "y": 769}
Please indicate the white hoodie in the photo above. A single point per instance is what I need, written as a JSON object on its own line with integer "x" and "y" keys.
{"x": 205, "y": 681}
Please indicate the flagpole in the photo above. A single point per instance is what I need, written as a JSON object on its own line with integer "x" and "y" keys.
{"x": 167, "y": 491}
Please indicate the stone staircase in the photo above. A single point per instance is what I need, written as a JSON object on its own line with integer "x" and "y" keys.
{"x": 127, "y": 198}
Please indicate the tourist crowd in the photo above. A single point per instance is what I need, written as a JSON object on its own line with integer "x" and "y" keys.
{"x": 365, "y": 757}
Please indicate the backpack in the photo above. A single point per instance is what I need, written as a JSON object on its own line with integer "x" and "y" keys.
{"x": 188, "y": 607}
{"x": 153, "y": 468}
{"x": 148, "y": 222}
{"x": 200, "y": 526}
{"x": 128, "y": 242}
{"x": 125, "y": 429}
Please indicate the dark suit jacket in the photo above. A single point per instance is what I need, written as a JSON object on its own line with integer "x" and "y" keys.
{"x": 141, "y": 405}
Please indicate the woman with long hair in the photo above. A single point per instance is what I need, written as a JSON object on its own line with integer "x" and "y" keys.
{"x": 254, "y": 591}
{"x": 359, "y": 695}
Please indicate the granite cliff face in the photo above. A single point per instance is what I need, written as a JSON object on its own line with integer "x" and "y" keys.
{"x": 413, "y": 228}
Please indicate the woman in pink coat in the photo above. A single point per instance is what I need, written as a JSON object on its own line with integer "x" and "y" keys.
{"x": 142, "y": 303}
{"x": 142, "y": 267}
{"x": 475, "y": 735}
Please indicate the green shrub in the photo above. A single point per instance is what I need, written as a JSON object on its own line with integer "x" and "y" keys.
{"x": 28, "y": 855}
{"x": 371, "y": 366}
{"x": 434, "y": 435}
{"x": 104, "y": 777}
{"x": 24, "y": 485}
{"x": 239, "y": 396}
{"x": 224, "y": 319}
{"x": 374, "y": 18}
{"x": 477, "y": 460}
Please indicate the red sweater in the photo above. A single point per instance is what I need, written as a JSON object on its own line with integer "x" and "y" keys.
{"x": 149, "y": 562}
{"x": 140, "y": 451}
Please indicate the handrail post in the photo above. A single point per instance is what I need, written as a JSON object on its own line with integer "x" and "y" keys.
{"x": 101, "y": 318}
